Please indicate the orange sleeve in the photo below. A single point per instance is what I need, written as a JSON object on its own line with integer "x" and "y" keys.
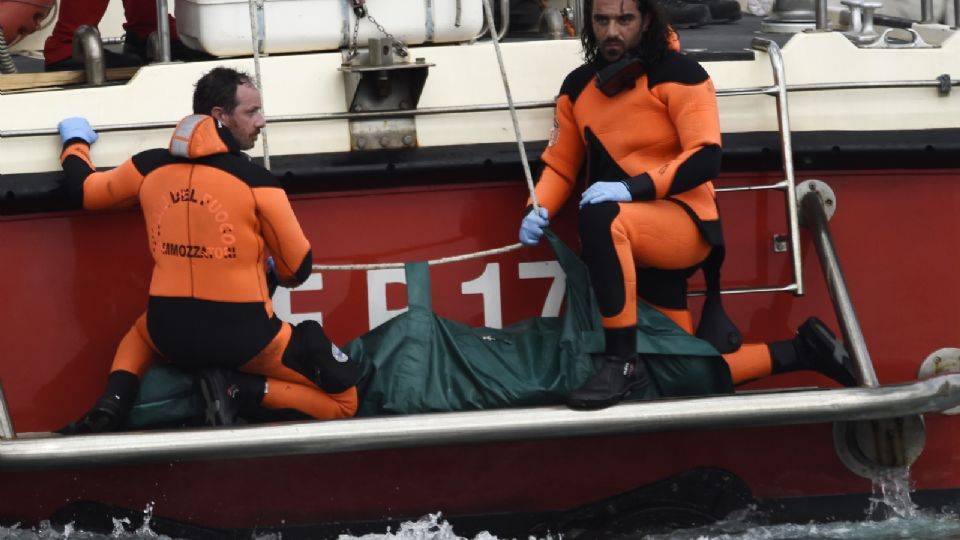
{"x": 562, "y": 159}
{"x": 283, "y": 235}
{"x": 115, "y": 188}
{"x": 693, "y": 111}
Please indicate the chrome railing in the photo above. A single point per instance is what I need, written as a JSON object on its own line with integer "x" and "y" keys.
{"x": 815, "y": 219}
{"x": 541, "y": 104}
{"x": 779, "y": 91}
{"x": 163, "y": 32}
{"x": 6, "y": 423}
{"x": 482, "y": 427}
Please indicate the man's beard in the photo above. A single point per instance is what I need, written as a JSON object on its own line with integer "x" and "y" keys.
{"x": 633, "y": 52}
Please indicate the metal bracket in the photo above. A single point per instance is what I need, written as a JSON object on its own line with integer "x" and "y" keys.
{"x": 945, "y": 85}
{"x": 781, "y": 243}
{"x": 375, "y": 82}
{"x": 359, "y": 8}
{"x": 946, "y": 360}
{"x": 827, "y": 196}
{"x": 379, "y": 134}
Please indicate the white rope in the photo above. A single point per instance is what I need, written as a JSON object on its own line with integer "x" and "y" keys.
{"x": 488, "y": 10}
{"x": 523, "y": 158}
{"x": 432, "y": 262}
{"x": 256, "y": 69}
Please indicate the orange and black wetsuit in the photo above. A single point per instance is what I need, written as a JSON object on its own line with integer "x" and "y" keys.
{"x": 662, "y": 138}
{"x": 211, "y": 216}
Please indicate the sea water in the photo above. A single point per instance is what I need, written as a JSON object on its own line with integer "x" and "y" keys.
{"x": 890, "y": 515}
{"x": 433, "y": 527}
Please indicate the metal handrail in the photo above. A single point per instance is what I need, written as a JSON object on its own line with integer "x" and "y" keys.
{"x": 317, "y": 117}
{"x": 815, "y": 219}
{"x": 926, "y": 12}
{"x": 459, "y": 109}
{"x": 822, "y": 17}
{"x": 6, "y": 423}
{"x": 163, "y": 32}
{"x": 88, "y": 48}
{"x": 786, "y": 151}
{"x": 390, "y": 432}
{"x": 791, "y": 288}
{"x": 760, "y": 187}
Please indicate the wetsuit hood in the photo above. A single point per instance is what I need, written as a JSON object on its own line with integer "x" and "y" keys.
{"x": 199, "y": 135}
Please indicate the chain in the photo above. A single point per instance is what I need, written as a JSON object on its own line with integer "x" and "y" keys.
{"x": 353, "y": 40}
{"x": 361, "y": 11}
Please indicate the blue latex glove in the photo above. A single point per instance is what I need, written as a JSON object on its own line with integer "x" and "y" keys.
{"x": 531, "y": 228}
{"x": 76, "y": 127}
{"x": 599, "y": 192}
{"x": 271, "y": 267}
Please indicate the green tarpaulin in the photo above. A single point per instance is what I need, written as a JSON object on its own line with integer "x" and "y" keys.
{"x": 419, "y": 362}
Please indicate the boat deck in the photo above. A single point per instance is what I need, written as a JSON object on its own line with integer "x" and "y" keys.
{"x": 714, "y": 42}
{"x": 729, "y": 41}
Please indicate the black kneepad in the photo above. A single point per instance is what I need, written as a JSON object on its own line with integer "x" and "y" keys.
{"x": 314, "y": 356}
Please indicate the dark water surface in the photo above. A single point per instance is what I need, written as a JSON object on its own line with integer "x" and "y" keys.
{"x": 434, "y": 527}
{"x": 891, "y": 514}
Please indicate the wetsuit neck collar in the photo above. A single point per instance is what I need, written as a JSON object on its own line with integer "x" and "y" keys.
{"x": 614, "y": 77}
{"x": 232, "y": 146}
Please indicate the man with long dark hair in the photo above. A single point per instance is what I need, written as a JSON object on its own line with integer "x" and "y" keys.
{"x": 640, "y": 120}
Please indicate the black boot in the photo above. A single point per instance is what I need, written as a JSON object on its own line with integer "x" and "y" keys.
{"x": 111, "y": 60}
{"x": 107, "y": 415}
{"x": 815, "y": 348}
{"x": 227, "y": 392}
{"x": 135, "y": 45}
{"x": 111, "y": 409}
{"x": 620, "y": 372}
{"x": 615, "y": 380}
{"x": 686, "y": 14}
{"x": 721, "y": 11}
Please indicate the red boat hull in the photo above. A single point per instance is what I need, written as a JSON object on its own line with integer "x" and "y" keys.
{"x": 76, "y": 281}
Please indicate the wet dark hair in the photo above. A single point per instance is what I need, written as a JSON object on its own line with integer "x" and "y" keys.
{"x": 653, "y": 40}
{"x": 218, "y": 88}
